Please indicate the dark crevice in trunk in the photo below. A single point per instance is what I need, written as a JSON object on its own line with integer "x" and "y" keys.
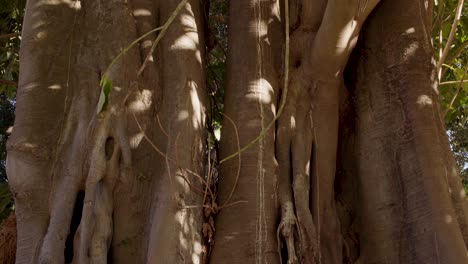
{"x": 109, "y": 147}
{"x": 75, "y": 222}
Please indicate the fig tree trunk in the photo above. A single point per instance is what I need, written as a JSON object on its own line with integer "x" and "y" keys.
{"x": 332, "y": 149}
{"x": 138, "y": 162}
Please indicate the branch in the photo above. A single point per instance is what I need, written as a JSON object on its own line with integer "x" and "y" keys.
{"x": 9, "y": 83}
{"x": 457, "y": 92}
{"x": 164, "y": 28}
{"x": 453, "y": 82}
{"x": 453, "y": 30}
{"x": 10, "y": 35}
{"x": 456, "y": 54}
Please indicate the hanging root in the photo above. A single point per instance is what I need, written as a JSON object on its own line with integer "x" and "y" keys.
{"x": 95, "y": 232}
{"x": 286, "y": 230}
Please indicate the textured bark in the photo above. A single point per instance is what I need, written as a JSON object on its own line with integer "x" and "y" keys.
{"x": 356, "y": 169}
{"x": 410, "y": 206}
{"x": 8, "y": 240}
{"x": 135, "y": 198}
{"x": 246, "y": 231}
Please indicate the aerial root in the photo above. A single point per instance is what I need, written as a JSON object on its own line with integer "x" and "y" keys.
{"x": 286, "y": 230}
{"x": 95, "y": 232}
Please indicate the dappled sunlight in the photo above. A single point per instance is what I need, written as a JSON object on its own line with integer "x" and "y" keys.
{"x": 197, "y": 116}
{"x": 30, "y": 145}
{"x": 448, "y": 219}
{"x": 141, "y": 12}
{"x": 346, "y": 38}
{"x": 259, "y": 28}
{"x": 55, "y": 87}
{"x": 293, "y": 122}
{"x": 410, "y": 30}
{"x": 182, "y": 115}
{"x": 41, "y": 35}
{"x": 189, "y": 40}
{"x": 142, "y": 101}
{"x": 462, "y": 193}
{"x": 260, "y": 91}
{"x": 189, "y": 240}
{"x": 424, "y": 100}
{"x": 410, "y": 51}
{"x": 147, "y": 44}
{"x": 136, "y": 139}
{"x": 197, "y": 250}
{"x": 71, "y": 3}
{"x": 30, "y": 86}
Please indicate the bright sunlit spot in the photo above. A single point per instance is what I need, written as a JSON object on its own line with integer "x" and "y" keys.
{"x": 182, "y": 115}
{"x": 448, "y": 219}
{"x": 424, "y": 100}
{"x": 141, "y": 12}
{"x": 261, "y": 91}
{"x": 142, "y": 102}
{"x": 55, "y": 87}
{"x": 410, "y": 50}
{"x": 196, "y": 107}
{"x": 135, "y": 140}
{"x": 71, "y": 3}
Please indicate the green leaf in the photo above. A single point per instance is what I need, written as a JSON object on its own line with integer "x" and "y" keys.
{"x": 106, "y": 87}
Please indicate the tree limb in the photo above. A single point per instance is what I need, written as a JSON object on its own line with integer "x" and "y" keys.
{"x": 453, "y": 82}
{"x": 453, "y": 30}
{"x": 457, "y": 92}
{"x": 9, "y": 83}
{"x": 10, "y": 35}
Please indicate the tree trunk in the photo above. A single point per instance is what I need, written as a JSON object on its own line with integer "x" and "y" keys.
{"x": 344, "y": 159}
{"x": 411, "y": 205}
{"x": 135, "y": 198}
{"x": 248, "y": 181}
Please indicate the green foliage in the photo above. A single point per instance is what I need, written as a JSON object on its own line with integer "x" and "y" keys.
{"x": 454, "y": 93}
{"x": 11, "y": 18}
{"x": 6, "y": 201}
{"x": 106, "y": 87}
{"x": 216, "y": 65}
{"x": 7, "y": 116}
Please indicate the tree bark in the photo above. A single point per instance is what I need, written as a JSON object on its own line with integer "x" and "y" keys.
{"x": 60, "y": 146}
{"x": 355, "y": 169}
{"x": 250, "y": 179}
{"x": 411, "y": 206}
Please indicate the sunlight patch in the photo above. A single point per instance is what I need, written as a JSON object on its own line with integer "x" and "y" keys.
{"x": 55, "y": 87}
{"x": 197, "y": 108}
{"x": 142, "y": 102}
{"x": 260, "y": 90}
{"x": 141, "y": 12}
{"x": 183, "y": 114}
{"x": 135, "y": 140}
{"x": 448, "y": 219}
{"x": 410, "y": 50}
{"x": 410, "y": 30}
{"x": 424, "y": 100}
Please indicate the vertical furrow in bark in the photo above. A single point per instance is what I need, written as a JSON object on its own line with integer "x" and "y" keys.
{"x": 254, "y": 60}
{"x": 402, "y": 173}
